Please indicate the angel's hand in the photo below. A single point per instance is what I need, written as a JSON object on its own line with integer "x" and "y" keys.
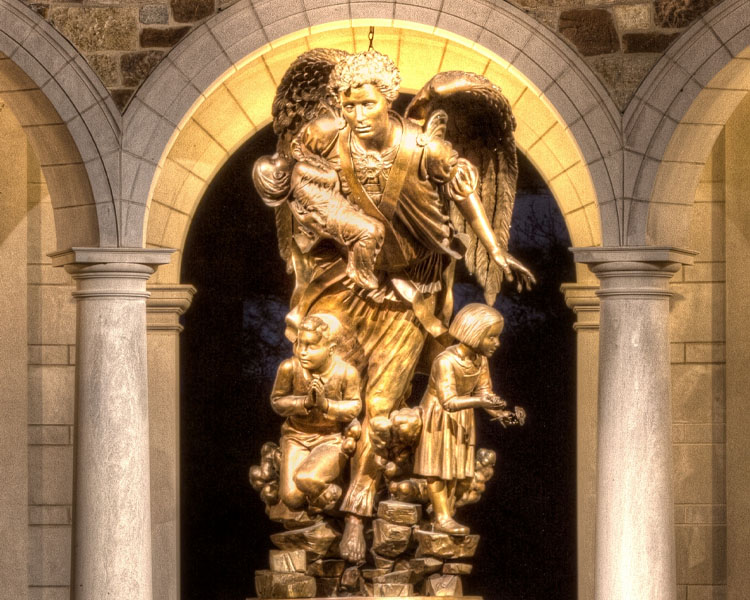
{"x": 509, "y": 265}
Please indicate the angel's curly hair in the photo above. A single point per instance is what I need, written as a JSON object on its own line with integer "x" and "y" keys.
{"x": 369, "y": 67}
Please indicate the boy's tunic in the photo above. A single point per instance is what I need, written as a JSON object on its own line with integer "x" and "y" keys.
{"x": 314, "y": 427}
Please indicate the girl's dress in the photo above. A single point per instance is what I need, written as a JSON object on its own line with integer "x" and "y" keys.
{"x": 446, "y": 445}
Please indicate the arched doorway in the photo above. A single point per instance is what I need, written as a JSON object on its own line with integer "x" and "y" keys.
{"x": 234, "y": 340}
{"x": 553, "y": 132}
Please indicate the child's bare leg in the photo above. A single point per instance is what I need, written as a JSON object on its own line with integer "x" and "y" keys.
{"x": 363, "y": 236}
{"x": 292, "y": 456}
{"x": 441, "y": 506}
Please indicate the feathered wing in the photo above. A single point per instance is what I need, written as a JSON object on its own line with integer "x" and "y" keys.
{"x": 300, "y": 98}
{"x": 302, "y": 94}
{"x": 480, "y": 127}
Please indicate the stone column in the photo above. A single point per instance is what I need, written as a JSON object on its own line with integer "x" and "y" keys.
{"x": 635, "y": 542}
{"x": 111, "y": 511}
{"x": 163, "y": 310}
{"x": 583, "y": 300}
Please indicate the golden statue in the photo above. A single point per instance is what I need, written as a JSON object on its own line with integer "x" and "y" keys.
{"x": 373, "y": 209}
{"x": 459, "y": 382}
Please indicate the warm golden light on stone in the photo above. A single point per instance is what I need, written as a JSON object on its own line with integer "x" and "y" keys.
{"x": 239, "y": 105}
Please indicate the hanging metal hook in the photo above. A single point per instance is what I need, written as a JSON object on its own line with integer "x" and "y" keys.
{"x": 371, "y": 37}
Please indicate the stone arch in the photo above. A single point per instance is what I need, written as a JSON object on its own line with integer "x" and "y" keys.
{"x": 71, "y": 122}
{"x": 675, "y": 117}
{"x": 169, "y": 120}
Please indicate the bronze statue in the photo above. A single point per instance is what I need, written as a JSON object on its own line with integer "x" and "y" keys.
{"x": 373, "y": 209}
{"x": 318, "y": 393}
{"x": 459, "y": 382}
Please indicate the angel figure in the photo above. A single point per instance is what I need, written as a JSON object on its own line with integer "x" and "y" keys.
{"x": 441, "y": 181}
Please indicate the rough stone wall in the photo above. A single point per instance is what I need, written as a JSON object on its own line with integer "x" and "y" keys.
{"x": 124, "y": 40}
{"x": 620, "y": 39}
{"x": 698, "y": 396}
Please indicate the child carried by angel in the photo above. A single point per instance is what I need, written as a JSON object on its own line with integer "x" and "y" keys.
{"x": 321, "y": 210}
{"x": 459, "y": 382}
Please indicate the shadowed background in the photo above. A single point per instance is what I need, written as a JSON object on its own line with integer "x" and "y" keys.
{"x": 233, "y": 342}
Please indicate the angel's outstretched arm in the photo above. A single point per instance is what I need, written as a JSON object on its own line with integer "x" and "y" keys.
{"x": 462, "y": 189}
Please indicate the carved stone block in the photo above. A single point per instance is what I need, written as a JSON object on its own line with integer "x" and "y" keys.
{"x": 444, "y": 586}
{"x": 400, "y": 513}
{"x": 288, "y": 561}
{"x": 293, "y": 519}
{"x": 397, "y": 590}
{"x": 455, "y": 568}
{"x": 442, "y": 545}
{"x": 396, "y": 577}
{"x": 326, "y": 568}
{"x": 284, "y": 585}
{"x": 421, "y": 567}
{"x": 327, "y": 587}
{"x": 389, "y": 539}
{"x": 351, "y": 578}
{"x": 372, "y": 574}
{"x": 316, "y": 540}
{"x": 381, "y": 562}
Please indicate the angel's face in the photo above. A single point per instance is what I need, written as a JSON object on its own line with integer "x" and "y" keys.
{"x": 365, "y": 110}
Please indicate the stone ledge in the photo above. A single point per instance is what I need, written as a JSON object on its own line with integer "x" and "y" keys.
{"x": 604, "y": 254}
{"x": 152, "y": 256}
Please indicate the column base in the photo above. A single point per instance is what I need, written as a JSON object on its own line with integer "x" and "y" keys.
{"x": 390, "y": 598}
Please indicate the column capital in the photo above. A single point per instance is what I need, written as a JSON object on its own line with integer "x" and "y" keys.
{"x": 634, "y": 271}
{"x": 82, "y": 257}
{"x": 111, "y": 272}
{"x": 635, "y": 255}
{"x": 583, "y": 300}
{"x": 166, "y": 304}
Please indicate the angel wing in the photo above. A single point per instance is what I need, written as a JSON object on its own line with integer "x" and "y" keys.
{"x": 480, "y": 127}
{"x": 302, "y": 94}
{"x": 300, "y": 98}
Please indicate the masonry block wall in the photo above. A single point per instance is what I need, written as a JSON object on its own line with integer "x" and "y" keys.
{"x": 698, "y": 398}
{"x": 124, "y": 41}
{"x": 51, "y": 336}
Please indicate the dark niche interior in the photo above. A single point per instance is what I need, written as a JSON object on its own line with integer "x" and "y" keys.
{"x": 234, "y": 340}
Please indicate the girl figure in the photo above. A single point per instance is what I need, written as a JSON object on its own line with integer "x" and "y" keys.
{"x": 459, "y": 382}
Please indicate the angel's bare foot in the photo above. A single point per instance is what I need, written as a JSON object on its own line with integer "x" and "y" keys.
{"x": 352, "y": 545}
